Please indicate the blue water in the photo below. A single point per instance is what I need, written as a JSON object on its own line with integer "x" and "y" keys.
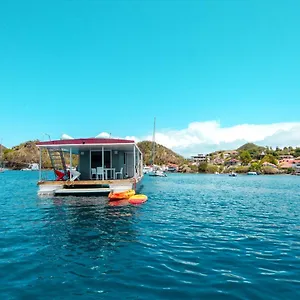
{"x": 197, "y": 237}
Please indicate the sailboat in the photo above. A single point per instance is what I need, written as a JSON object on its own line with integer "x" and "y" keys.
{"x": 155, "y": 170}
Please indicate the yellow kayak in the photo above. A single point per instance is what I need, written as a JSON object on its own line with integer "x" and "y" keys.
{"x": 138, "y": 199}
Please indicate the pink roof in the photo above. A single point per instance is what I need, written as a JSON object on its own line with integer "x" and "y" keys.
{"x": 286, "y": 165}
{"x": 87, "y": 141}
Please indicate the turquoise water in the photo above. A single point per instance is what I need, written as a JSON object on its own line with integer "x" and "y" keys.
{"x": 197, "y": 237}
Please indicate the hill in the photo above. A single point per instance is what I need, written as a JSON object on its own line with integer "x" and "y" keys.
{"x": 20, "y": 156}
{"x": 249, "y": 146}
{"x": 26, "y": 153}
{"x": 3, "y": 147}
{"x": 254, "y": 150}
{"x": 163, "y": 155}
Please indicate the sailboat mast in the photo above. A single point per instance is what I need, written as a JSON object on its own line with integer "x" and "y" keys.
{"x": 153, "y": 142}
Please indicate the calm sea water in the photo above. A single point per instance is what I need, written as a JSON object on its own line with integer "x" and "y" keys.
{"x": 197, "y": 237}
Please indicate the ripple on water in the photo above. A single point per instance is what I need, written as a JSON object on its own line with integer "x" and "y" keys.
{"x": 198, "y": 237}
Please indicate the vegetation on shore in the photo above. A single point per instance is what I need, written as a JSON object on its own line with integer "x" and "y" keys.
{"x": 248, "y": 157}
{"x": 163, "y": 155}
{"x": 21, "y": 156}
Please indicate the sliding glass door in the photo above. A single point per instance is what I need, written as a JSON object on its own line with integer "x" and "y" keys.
{"x": 96, "y": 158}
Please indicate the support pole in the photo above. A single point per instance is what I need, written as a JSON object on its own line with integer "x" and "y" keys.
{"x": 71, "y": 161}
{"x": 105, "y": 175}
{"x": 102, "y": 156}
{"x": 134, "y": 162}
{"x": 40, "y": 167}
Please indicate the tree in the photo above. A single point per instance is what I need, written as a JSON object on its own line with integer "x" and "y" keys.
{"x": 245, "y": 157}
{"x": 202, "y": 167}
{"x": 297, "y": 152}
{"x": 269, "y": 158}
{"x": 255, "y": 167}
{"x": 211, "y": 168}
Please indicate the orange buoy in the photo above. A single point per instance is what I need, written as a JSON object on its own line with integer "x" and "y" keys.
{"x": 121, "y": 195}
{"x": 138, "y": 199}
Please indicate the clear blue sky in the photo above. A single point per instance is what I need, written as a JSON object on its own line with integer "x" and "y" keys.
{"x": 83, "y": 67}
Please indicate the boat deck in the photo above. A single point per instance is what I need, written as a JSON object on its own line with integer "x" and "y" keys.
{"x": 80, "y": 183}
{"x": 82, "y": 191}
{"x": 87, "y": 187}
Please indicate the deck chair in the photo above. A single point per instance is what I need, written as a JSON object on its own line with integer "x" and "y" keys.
{"x": 119, "y": 173}
{"x": 93, "y": 173}
{"x": 74, "y": 175}
{"x": 59, "y": 175}
{"x": 100, "y": 173}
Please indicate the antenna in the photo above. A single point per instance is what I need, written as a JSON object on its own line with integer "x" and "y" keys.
{"x": 48, "y": 136}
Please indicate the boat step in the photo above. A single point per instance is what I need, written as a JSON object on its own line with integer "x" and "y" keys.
{"x": 83, "y": 191}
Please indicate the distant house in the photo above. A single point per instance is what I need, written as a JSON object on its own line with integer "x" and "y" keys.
{"x": 288, "y": 156}
{"x": 218, "y": 161}
{"x": 267, "y": 164}
{"x": 197, "y": 159}
{"x": 285, "y": 164}
{"x": 290, "y": 164}
{"x": 233, "y": 162}
{"x": 172, "y": 168}
{"x": 296, "y": 166}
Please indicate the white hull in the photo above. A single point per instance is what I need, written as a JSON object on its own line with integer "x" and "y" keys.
{"x": 49, "y": 189}
{"x": 158, "y": 174}
{"x": 64, "y": 188}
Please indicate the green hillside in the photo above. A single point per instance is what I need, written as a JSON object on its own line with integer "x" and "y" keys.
{"x": 254, "y": 150}
{"x": 163, "y": 155}
{"x": 20, "y": 156}
{"x": 3, "y": 147}
{"x": 249, "y": 146}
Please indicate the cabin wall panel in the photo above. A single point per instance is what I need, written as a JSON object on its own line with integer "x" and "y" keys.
{"x": 118, "y": 160}
{"x": 84, "y": 165}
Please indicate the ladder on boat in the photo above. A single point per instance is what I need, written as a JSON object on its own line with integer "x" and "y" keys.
{"x": 58, "y": 161}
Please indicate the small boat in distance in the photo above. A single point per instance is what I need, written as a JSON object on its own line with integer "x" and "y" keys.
{"x": 159, "y": 173}
{"x": 147, "y": 169}
{"x": 32, "y": 167}
{"x": 232, "y": 174}
{"x": 252, "y": 173}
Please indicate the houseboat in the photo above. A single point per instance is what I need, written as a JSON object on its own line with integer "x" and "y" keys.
{"x": 104, "y": 165}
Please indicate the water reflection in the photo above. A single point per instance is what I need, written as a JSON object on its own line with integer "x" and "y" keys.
{"x": 87, "y": 225}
